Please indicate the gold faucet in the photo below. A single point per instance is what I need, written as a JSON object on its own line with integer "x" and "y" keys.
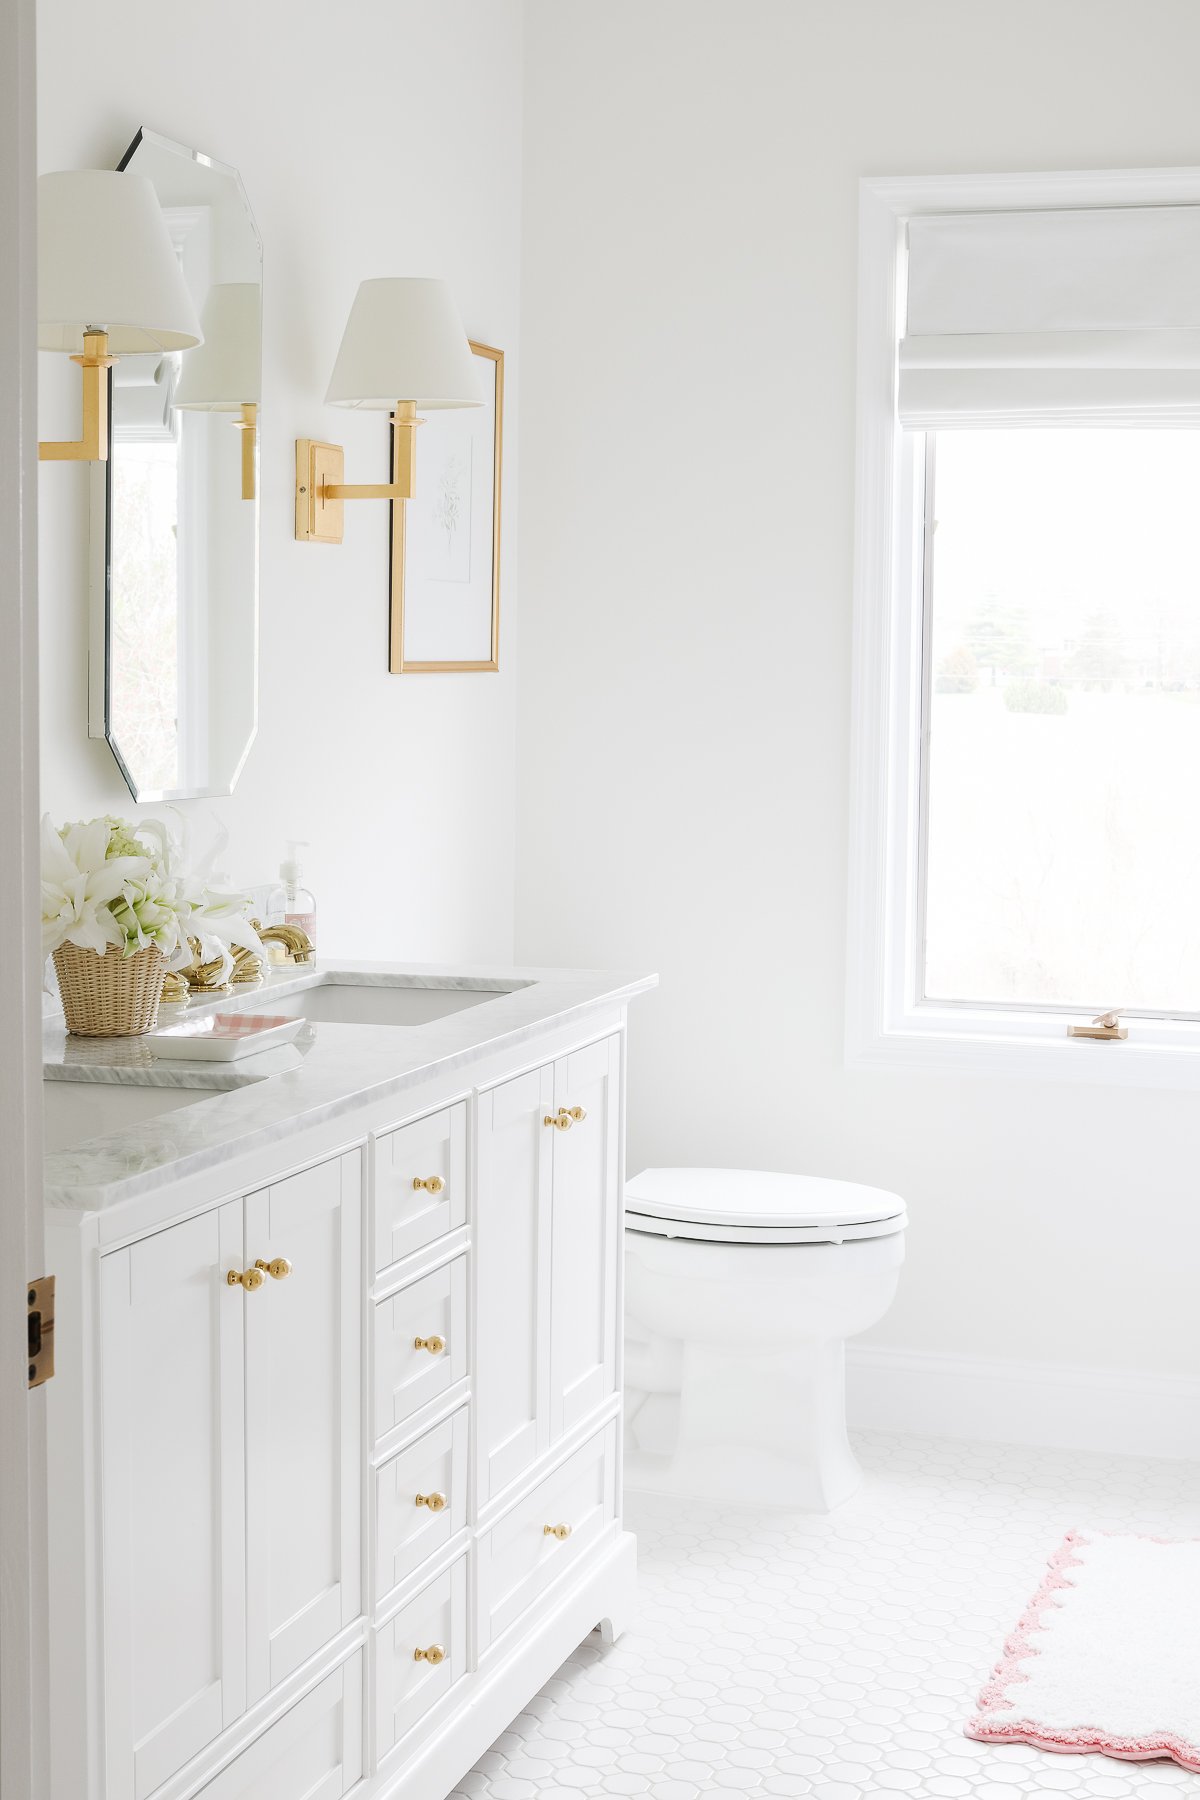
{"x": 294, "y": 938}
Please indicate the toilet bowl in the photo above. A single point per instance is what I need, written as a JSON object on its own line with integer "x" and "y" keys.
{"x": 741, "y": 1288}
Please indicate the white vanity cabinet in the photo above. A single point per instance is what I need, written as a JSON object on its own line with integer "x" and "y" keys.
{"x": 548, "y": 1241}
{"x": 173, "y": 1498}
{"x": 229, "y": 1452}
{"x": 330, "y": 1529}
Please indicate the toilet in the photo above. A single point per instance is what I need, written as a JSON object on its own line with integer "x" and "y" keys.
{"x": 741, "y": 1288}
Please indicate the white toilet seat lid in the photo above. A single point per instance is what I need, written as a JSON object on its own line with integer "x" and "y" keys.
{"x": 757, "y": 1206}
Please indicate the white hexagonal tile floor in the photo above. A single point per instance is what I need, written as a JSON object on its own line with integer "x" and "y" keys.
{"x": 836, "y": 1657}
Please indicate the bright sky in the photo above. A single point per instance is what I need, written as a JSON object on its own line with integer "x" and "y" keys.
{"x": 1067, "y": 523}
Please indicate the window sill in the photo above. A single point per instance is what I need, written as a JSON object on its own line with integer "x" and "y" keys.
{"x": 1156, "y": 1054}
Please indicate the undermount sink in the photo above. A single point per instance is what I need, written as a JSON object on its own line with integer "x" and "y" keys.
{"x": 74, "y": 1111}
{"x": 353, "y": 1003}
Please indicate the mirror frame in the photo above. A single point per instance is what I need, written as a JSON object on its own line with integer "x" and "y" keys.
{"x": 100, "y": 542}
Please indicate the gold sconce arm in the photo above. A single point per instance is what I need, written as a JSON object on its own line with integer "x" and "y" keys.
{"x": 248, "y": 426}
{"x": 92, "y": 446}
{"x": 320, "y": 490}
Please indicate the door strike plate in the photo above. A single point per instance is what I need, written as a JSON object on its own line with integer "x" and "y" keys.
{"x": 39, "y": 1297}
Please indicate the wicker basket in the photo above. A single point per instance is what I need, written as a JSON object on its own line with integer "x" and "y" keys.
{"x": 110, "y": 995}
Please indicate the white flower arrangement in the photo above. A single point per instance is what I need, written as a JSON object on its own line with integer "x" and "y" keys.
{"x": 107, "y": 883}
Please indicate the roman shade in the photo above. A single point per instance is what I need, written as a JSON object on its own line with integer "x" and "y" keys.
{"x": 1083, "y": 317}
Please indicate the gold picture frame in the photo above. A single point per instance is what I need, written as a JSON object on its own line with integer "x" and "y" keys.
{"x": 418, "y": 609}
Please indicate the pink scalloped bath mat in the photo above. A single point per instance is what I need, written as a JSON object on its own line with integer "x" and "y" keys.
{"x": 1106, "y": 1656}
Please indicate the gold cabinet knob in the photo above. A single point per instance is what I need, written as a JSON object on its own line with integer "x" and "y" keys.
{"x": 433, "y": 1184}
{"x": 556, "y": 1531}
{"x": 250, "y": 1279}
{"x": 435, "y": 1345}
{"x": 435, "y": 1502}
{"x": 279, "y": 1268}
{"x": 435, "y": 1654}
{"x": 565, "y": 1117}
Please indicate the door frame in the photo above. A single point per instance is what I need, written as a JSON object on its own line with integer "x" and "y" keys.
{"x": 24, "y": 1658}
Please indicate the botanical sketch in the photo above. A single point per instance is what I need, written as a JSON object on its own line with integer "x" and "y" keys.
{"x": 446, "y": 539}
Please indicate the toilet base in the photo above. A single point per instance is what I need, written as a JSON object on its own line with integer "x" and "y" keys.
{"x": 754, "y": 1429}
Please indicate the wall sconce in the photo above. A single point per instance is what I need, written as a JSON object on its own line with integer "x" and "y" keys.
{"x": 109, "y": 285}
{"x": 225, "y": 373}
{"x": 404, "y": 347}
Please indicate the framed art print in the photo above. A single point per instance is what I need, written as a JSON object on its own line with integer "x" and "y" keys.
{"x": 445, "y": 549}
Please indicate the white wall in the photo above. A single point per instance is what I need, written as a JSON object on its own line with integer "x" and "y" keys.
{"x": 688, "y": 410}
{"x": 378, "y": 138}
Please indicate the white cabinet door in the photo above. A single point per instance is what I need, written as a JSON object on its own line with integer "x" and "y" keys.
{"x": 545, "y": 1535}
{"x": 420, "y": 1502}
{"x": 420, "y": 1344}
{"x": 512, "y": 1277}
{"x": 409, "y": 1681}
{"x": 420, "y": 1184}
{"x": 587, "y": 1226}
{"x": 303, "y": 1418}
{"x": 315, "y": 1752}
{"x": 173, "y": 1497}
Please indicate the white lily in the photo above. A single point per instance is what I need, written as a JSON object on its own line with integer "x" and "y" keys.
{"x": 212, "y": 913}
{"x": 78, "y": 883}
{"x": 108, "y": 882}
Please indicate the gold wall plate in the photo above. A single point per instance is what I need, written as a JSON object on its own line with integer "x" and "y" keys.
{"x": 318, "y": 520}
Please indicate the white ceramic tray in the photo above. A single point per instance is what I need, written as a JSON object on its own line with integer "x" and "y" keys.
{"x": 222, "y": 1037}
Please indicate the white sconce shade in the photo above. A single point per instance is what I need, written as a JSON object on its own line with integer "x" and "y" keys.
{"x": 106, "y": 264}
{"x": 225, "y": 372}
{"x": 404, "y": 343}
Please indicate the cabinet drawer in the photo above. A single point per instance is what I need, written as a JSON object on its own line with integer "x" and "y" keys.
{"x": 407, "y": 1528}
{"x": 407, "y": 1685}
{"x": 315, "y": 1752}
{"x": 519, "y": 1557}
{"x": 407, "y": 1375}
{"x": 407, "y": 1161}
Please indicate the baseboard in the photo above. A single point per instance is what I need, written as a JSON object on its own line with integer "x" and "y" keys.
{"x": 1046, "y": 1404}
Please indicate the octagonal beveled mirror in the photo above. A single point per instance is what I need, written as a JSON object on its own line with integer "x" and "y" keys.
{"x": 174, "y": 575}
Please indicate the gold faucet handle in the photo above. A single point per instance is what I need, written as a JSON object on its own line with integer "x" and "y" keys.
{"x": 295, "y": 940}
{"x": 279, "y": 1268}
{"x": 435, "y": 1344}
{"x": 432, "y": 1184}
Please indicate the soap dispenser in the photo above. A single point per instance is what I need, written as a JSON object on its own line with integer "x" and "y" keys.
{"x": 291, "y": 903}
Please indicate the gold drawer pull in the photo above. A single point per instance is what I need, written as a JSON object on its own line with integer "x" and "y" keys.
{"x": 563, "y": 1120}
{"x": 279, "y": 1268}
{"x": 577, "y": 1113}
{"x": 435, "y": 1654}
{"x": 250, "y": 1279}
{"x": 435, "y": 1344}
{"x": 434, "y": 1502}
{"x": 556, "y": 1531}
{"x": 433, "y": 1184}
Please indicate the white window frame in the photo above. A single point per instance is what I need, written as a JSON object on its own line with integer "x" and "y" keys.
{"x": 888, "y": 1025}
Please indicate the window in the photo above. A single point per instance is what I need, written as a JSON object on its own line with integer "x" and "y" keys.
{"x": 1060, "y": 852}
{"x": 1025, "y": 826}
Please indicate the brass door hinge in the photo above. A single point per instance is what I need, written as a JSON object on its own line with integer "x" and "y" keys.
{"x": 40, "y": 1301}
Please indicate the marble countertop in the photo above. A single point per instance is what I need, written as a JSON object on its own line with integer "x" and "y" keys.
{"x": 332, "y": 1069}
